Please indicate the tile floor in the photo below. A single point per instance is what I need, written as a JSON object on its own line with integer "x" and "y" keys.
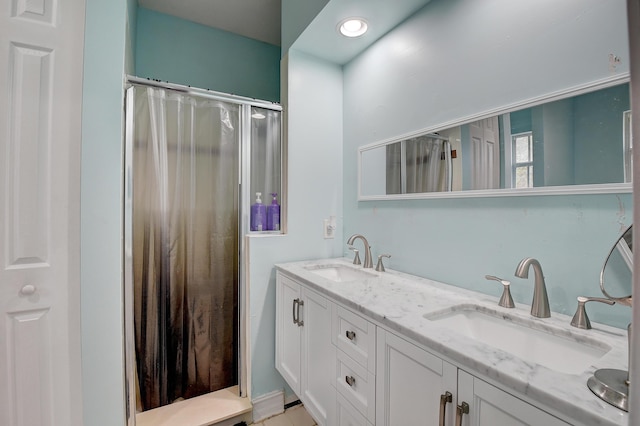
{"x": 294, "y": 416}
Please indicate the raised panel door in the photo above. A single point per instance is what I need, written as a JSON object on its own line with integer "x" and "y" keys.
{"x": 288, "y": 332}
{"x": 318, "y": 357}
{"x": 490, "y": 406}
{"x": 409, "y": 383}
{"x": 40, "y": 139}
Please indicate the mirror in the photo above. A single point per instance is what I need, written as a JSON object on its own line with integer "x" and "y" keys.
{"x": 617, "y": 270}
{"x": 575, "y": 142}
{"x": 610, "y": 384}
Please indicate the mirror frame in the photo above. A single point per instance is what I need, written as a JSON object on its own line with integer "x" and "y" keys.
{"x": 605, "y": 188}
{"x": 625, "y": 300}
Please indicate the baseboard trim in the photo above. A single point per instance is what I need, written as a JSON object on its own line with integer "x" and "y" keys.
{"x": 268, "y": 405}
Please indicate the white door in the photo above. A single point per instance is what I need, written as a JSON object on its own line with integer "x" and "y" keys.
{"x": 288, "y": 331}
{"x": 485, "y": 154}
{"x": 41, "y": 44}
{"x": 410, "y": 383}
{"x": 490, "y": 406}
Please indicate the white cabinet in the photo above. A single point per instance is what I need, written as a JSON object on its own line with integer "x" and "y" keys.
{"x": 288, "y": 332}
{"x": 490, "y": 406}
{"x": 348, "y": 372}
{"x": 413, "y": 385}
{"x": 304, "y": 354}
{"x": 409, "y": 383}
{"x": 348, "y": 415}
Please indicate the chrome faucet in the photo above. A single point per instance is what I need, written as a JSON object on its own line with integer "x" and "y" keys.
{"x": 540, "y": 304}
{"x": 368, "y": 262}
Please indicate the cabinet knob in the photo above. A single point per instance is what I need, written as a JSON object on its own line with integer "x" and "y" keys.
{"x": 28, "y": 290}
{"x": 350, "y": 380}
{"x": 351, "y": 335}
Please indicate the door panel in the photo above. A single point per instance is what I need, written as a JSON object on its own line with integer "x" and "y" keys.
{"x": 40, "y": 137}
{"x": 485, "y": 154}
{"x": 318, "y": 358}
{"x": 409, "y": 382}
{"x": 288, "y": 333}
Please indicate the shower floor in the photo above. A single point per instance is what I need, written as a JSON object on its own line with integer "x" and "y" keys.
{"x": 202, "y": 410}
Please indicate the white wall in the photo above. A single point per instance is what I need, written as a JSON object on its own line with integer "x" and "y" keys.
{"x": 455, "y": 58}
{"x": 313, "y": 107}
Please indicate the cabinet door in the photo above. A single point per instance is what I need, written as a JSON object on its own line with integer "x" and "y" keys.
{"x": 288, "y": 332}
{"x": 318, "y": 357}
{"x": 409, "y": 382}
{"x": 490, "y": 406}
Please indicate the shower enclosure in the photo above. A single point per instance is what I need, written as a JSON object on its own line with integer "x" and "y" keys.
{"x": 188, "y": 152}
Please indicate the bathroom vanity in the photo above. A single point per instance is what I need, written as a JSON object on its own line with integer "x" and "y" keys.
{"x": 361, "y": 347}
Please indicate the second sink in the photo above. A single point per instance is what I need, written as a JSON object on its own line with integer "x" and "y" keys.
{"x": 521, "y": 338}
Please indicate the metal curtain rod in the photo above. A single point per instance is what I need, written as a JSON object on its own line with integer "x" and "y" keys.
{"x": 205, "y": 93}
{"x": 434, "y": 136}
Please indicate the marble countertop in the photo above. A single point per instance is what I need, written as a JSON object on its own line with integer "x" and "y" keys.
{"x": 398, "y": 301}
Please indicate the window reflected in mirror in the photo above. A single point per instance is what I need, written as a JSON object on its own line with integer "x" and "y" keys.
{"x": 579, "y": 140}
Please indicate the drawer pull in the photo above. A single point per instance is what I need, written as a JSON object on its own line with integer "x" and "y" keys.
{"x": 444, "y": 399}
{"x": 293, "y": 311}
{"x": 350, "y": 380}
{"x": 460, "y": 410}
{"x": 300, "y": 322}
{"x": 351, "y": 334}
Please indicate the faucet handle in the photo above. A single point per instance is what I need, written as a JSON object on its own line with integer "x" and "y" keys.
{"x": 356, "y": 258}
{"x": 379, "y": 265}
{"x": 580, "y": 318}
{"x": 506, "y": 301}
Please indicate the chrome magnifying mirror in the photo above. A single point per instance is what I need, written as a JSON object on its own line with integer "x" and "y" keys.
{"x": 617, "y": 269}
{"x": 609, "y": 384}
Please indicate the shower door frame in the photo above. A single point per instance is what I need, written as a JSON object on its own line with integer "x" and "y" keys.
{"x": 245, "y": 104}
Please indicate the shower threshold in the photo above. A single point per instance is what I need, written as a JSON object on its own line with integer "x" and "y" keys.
{"x": 223, "y": 407}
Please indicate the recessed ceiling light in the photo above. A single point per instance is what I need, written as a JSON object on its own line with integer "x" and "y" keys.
{"x": 353, "y": 27}
{"x": 258, "y": 116}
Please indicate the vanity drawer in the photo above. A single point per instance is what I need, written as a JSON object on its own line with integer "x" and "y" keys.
{"x": 347, "y": 415}
{"x": 356, "y": 384}
{"x": 355, "y": 336}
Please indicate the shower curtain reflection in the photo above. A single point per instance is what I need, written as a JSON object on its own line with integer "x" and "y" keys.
{"x": 185, "y": 245}
{"x": 419, "y": 164}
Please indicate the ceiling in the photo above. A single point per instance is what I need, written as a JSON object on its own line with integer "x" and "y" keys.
{"x": 261, "y": 20}
{"x": 256, "y": 19}
{"x": 322, "y": 39}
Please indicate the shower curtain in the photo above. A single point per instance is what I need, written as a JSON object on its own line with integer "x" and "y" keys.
{"x": 427, "y": 166}
{"x": 185, "y": 244}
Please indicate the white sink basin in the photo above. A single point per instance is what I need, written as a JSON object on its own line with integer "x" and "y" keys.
{"x": 340, "y": 273}
{"x": 522, "y": 338}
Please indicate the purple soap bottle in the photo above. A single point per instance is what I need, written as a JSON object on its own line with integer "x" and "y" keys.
{"x": 258, "y": 214}
{"x": 273, "y": 214}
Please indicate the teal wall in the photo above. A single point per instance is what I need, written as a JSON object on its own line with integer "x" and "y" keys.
{"x": 596, "y": 136}
{"x": 132, "y": 29}
{"x": 599, "y": 134}
{"x": 314, "y": 193}
{"x": 390, "y": 91}
{"x": 296, "y": 16}
{"x": 101, "y": 212}
{"x": 456, "y": 241}
{"x": 183, "y": 52}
